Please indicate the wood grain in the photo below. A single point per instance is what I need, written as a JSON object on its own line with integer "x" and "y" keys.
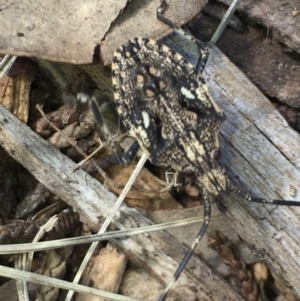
{"x": 260, "y": 153}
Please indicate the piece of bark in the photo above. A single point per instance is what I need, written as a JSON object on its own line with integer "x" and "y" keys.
{"x": 278, "y": 16}
{"x": 105, "y": 272}
{"x": 14, "y": 94}
{"x": 259, "y": 147}
{"x": 22, "y": 231}
{"x": 262, "y": 151}
{"x": 263, "y": 59}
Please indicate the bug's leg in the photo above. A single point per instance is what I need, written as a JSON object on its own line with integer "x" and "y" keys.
{"x": 206, "y": 215}
{"x": 202, "y": 59}
{"x": 92, "y": 101}
{"x": 203, "y": 50}
{"x": 249, "y": 198}
{"x": 128, "y": 156}
{"x": 125, "y": 158}
{"x": 273, "y": 202}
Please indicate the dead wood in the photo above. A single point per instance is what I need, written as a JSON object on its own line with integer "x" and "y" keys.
{"x": 260, "y": 151}
{"x": 104, "y": 271}
{"x": 281, "y": 18}
{"x": 264, "y": 60}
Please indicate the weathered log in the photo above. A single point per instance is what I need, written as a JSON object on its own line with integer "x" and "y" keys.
{"x": 260, "y": 154}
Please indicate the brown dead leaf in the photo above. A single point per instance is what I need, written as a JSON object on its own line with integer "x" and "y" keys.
{"x": 141, "y": 285}
{"x": 148, "y": 198}
{"x": 54, "y": 265}
{"x": 66, "y": 31}
{"x": 74, "y": 130}
{"x": 72, "y": 113}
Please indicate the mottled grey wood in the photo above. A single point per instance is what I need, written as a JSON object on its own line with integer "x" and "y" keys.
{"x": 261, "y": 154}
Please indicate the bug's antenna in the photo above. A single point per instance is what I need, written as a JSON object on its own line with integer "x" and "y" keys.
{"x": 202, "y": 231}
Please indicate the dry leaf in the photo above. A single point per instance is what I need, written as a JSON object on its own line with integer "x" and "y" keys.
{"x": 66, "y": 31}
{"x": 70, "y": 31}
{"x": 147, "y": 195}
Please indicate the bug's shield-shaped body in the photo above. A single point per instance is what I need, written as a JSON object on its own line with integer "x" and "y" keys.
{"x": 164, "y": 103}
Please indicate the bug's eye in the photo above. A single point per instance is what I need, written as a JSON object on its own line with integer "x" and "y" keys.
{"x": 215, "y": 153}
{"x": 189, "y": 172}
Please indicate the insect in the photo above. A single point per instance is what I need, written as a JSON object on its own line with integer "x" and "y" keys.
{"x": 164, "y": 103}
